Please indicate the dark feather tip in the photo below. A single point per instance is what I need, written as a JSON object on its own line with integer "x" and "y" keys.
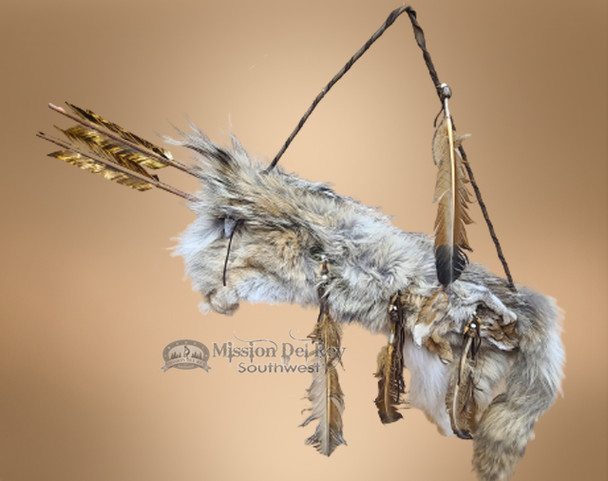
{"x": 387, "y": 418}
{"x": 449, "y": 263}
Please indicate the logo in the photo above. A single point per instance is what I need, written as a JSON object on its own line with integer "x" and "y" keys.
{"x": 186, "y": 354}
{"x": 255, "y": 356}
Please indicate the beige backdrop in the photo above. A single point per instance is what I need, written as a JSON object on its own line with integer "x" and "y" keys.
{"x": 90, "y": 294}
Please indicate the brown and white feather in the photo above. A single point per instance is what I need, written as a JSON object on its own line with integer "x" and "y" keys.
{"x": 325, "y": 393}
{"x": 453, "y": 198}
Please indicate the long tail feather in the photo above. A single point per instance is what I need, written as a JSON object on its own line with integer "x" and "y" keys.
{"x": 453, "y": 197}
{"x": 325, "y": 393}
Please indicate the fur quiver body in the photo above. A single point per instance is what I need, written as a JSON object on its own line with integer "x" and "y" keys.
{"x": 485, "y": 361}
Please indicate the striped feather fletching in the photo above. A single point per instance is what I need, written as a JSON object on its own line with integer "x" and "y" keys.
{"x": 453, "y": 198}
{"x": 96, "y": 167}
{"x": 115, "y": 157}
{"x": 102, "y": 145}
{"x": 125, "y": 134}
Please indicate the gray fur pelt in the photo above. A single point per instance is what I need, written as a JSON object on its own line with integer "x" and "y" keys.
{"x": 286, "y": 226}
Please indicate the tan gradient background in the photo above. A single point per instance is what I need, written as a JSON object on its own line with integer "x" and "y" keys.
{"x": 90, "y": 295}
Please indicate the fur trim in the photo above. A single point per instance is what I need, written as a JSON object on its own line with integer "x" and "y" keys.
{"x": 287, "y": 225}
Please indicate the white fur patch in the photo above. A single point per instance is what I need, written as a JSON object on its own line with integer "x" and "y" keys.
{"x": 428, "y": 384}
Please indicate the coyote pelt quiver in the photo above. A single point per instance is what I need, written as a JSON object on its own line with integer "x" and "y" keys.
{"x": 490, "y": 380}
{"x": 484, "y": 356}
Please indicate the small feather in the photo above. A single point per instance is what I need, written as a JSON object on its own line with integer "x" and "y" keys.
{"x": 461, "y": 402}
{"x": 391, "y": 384}
{"x": 453, "y": 197}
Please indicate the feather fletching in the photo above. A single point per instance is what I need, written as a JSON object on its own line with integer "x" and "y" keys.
{"x": 96, "y": 167}
{"x": 125, "y": 134}
{"x": 113, "y": 152}
{"x": 453, "y": 197}
{"x": 100, "y": 144}
{"x": 109, "y": 169}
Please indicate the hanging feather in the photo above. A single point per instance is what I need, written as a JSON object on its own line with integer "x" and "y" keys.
{"x": 451, "y": 193}
{"x": 461, "y": 402}
{"x": 125, "y": 134}
{"x": 284, "y": 210}
{"x": 325, "y": 393}
{"x": 391, "y": 384}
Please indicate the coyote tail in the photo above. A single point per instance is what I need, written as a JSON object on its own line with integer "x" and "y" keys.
{"x": 532, "y": 385}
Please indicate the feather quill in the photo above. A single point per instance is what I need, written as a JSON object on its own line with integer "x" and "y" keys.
{"x": 325, "y": 393}
{"x": 391, "y": 384}
{"x": 453, "y": 198}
